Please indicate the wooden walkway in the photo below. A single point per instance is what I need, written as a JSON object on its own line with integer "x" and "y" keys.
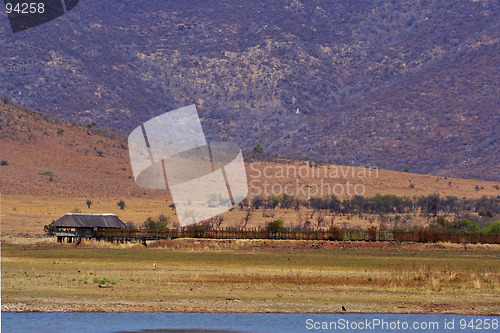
{"x": 425, "y": 236}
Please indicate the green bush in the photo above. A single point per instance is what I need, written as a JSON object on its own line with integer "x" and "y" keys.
{"x": 493, "y": 228}
{"x": 463, "y": 225}
{"x": 159, "y": 224}
{"x": 49, "y": 229}
{"x": 104, "y": 280}
{"x": 198, "y": 231}
{"x": 275, "y": 227}
{"x": 258, "y": 149}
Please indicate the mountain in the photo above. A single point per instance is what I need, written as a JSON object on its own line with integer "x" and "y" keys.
{"x": 391, "y": 83}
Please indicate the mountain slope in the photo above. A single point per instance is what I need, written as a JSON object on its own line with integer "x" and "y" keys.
{"x": 55, "y": 159}
{"x": 391, "y": 83}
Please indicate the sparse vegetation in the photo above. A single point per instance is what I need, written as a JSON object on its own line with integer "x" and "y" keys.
{"x": 121, "y": 204}
{"x": 104, "y": 280}
{"x": 159, "y": 224}
{"x": 49, "y": 229}
{"x": 275, "y": 227}
{"x": 258, "y": 149}
{"x": 130, "y": 225}
{"x": 493, "y": 228}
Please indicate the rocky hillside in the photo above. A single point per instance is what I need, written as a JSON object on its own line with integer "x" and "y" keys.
{"x": 50, "y": 158}
{"x": 391, "y": 83}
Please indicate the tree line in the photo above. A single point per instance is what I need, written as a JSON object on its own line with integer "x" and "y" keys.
{"x": 429, "y": 205}
{"x": 447, "y": 214}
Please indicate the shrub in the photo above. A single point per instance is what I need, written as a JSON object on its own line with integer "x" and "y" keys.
{"x": 4, "y": 162}
{"x": 121, "y": 204}
{"x": 441, "y": 221}
{"x": 372, "y": 233}
{"x": 258, "y": 149}
{"x": 464, "y": 225}
{"x": 257, "y": 202}
{"x": 493, "y": 228}
{"x": 335, "y": 233}
{"x": 104, "y": 280}
{"x": 49, "y": 229}
{"x": 215, "y": 200}
{"x": 275, "y": 227}
{"x": 198, "y": 230}
{"x": 158, "y": 225}
{"x": 430, "y": 204}
{"x": 89, "y": 203}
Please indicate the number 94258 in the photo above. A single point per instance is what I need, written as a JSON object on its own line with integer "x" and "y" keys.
{"x": 479, "y": 324}
{"x": 25, "y": 8}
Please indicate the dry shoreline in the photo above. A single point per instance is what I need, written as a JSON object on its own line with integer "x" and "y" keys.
{"x": 250, "y": 276}
{"x": 248, "y": 244}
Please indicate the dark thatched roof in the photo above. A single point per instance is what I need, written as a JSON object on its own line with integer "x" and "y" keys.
{"x": 72, "y": 220}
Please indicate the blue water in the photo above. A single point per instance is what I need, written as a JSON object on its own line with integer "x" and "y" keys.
{"x": 234, "y": 322}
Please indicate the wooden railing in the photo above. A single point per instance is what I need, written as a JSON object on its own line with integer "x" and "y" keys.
{"x": 423, "y": 235}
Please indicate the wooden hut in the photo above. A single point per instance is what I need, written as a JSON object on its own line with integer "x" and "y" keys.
{"x": 74, "y": 226}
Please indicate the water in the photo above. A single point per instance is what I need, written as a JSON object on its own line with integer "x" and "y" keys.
{"x": 234, "y": 322}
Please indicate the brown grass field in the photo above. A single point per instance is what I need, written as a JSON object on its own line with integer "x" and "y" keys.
{"x": 251, "y": 276}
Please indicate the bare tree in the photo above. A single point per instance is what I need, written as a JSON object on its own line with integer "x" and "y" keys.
{"x": 121, "y": 204}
